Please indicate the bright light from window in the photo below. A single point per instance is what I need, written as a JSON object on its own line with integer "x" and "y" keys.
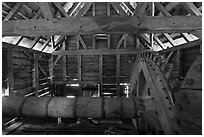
{"x": 70, "y": 96}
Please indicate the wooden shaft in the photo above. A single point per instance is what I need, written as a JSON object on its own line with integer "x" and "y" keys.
{"x": 79, "y": 107}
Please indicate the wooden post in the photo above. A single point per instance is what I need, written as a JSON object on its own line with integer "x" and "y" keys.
{"x": 51, "y": 65}
{"x": 64, "y": 59}
{"x": 108, "y": 8}
{"x": 35, "y": 75}
{"x": 180, "y": 62}
{"x": 10, "y": 82}
{"x": 100, "y": 73}
{"x": 108, "y": 41}
{"x": 118, "y": 73}
{"x": 79, "y": 76}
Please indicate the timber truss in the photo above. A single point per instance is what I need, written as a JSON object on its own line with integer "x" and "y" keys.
{"x": 159, "y": 25}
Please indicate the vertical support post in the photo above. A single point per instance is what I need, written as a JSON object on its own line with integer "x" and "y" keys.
{"x": 51, "y": 67}
{"x": 108, "y": 41}
{"x": 180, "y": 62}
{"x": 118, "y": 73}
{"x": 152, "y": 35}
{"x": 94, "y": 9}
{"x": 64, "y": 59}
{"x": 94, "y": 41}
{"x": 35, "y": 75}
{"x": 101, "y": 73}
{"x": 79, "y": 75}
{"x": 10, "y": 81}
{"x": 108, "y": 8}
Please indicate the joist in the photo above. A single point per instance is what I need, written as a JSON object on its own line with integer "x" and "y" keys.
{"x": 90, "y": 25}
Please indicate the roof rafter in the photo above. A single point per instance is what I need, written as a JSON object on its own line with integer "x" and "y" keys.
{"x": 13, "y": 11}
{"x": 61, "y": 9}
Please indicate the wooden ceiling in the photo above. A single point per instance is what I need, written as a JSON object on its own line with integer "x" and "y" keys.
{"x": 185, "y": 16}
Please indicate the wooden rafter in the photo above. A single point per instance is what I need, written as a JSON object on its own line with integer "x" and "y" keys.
{"x": 191, "y": 8}
{"x": 13, "y": 11}
{"x": 165, "y": 11}
{"x": 158, "y": 41}
{"x": 140, "y": 9}
{"x": 35, "y": 41}
{"x": 83, "y": 11}
{"x": 61, "y": 9}
{"x": 118, "y": 8}
{"x": 46, "y": 10}
{"x": 90, "y": 25}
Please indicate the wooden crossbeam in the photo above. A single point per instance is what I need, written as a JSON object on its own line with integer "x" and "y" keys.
{"x": 191, "y": 8}
{"x": 165, "y": 12}
{"x": 91, "y": 25}
{"x": 121, "y": 40}
{"x": 158, "y": 41}
{"x": 98, "y": 51}
{"x": 46, "y": 10}
{"x": 35, "y": 41}
{"x": 13, "y": 11}
{"x": 61, "y": 9}
{"x": 82, "y": 42}
{"x": 140, "y": 9}
{"x": 168, "y": 37}
{"x": 118, "y": 8}
{"x": 82, "y": 11}
{"x": 21, "y": 38}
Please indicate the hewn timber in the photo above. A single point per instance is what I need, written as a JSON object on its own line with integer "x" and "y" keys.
{"x": 99, "y": 51}
{"x": 90, "y": 25}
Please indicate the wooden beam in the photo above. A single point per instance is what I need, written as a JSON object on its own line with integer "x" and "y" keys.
{"x": 191, "y": 8}
{"x": 46, "y": 9}
{"x": 158, "y": 41}
{"x": 82, "y": 42}
{"x": 84, "y": 9}
{"x": 64, "y": 60}
{"x": 35, "y": 41}
{"x": 140, "y": 9}
{"x": 94, "y": 42}
{"x": 168, "y": 37}
{"x": 165, "y": 12}
{"x": 108, "y": 42}
{"x": 94, "y": 9}
{"x": 99, "y": 51}
{"x": 118, "y": 8}
{"x": 35, "y": 75}
{"x": 10, "y": 75}
{"x": 121, "y": 40}
{"x": 118, "y": 73}
{"x": 79, "y": 75}
{"x": 61, "y": 9}
{"x": 101, "y": 74}
{"x": 21, "y": 38}
{"x": 90, "y": 25}
{"x": 13, "y": 11}
{"x": 45, "y": 44}
{"x": 108, "y": 8}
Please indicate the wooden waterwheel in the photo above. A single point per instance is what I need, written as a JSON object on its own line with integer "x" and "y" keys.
{"x": 172, "y": 105}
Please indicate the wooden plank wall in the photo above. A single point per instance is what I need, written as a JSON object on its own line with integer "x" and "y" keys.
{"x": 23, "y": 71}
{"x": 113, "y": 71}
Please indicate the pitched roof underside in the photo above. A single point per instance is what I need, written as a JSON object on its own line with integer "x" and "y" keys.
{"x": 33, "y": 10}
